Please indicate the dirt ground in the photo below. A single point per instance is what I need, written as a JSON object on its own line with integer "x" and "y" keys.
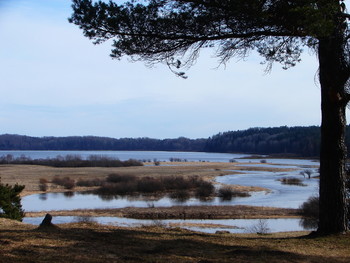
{"x": 90, "y": 242}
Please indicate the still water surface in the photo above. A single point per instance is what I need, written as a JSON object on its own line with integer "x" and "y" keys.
{"x": 126, "y": 155}
{"x": 230, "y": 225}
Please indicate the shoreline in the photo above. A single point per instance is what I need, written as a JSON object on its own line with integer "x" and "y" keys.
{"x": 180, "y": 212}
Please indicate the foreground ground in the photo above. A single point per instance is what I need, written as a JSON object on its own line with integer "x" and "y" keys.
{"x": 89, "y": 242}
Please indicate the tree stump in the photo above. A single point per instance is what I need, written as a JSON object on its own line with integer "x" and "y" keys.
{"x": 46, "y": 223}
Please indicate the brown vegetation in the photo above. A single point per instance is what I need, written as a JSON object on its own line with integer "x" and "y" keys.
{"x": 183, "y": 212}
{"x": 90, "y": 242}
{"x": 292, "y": 181}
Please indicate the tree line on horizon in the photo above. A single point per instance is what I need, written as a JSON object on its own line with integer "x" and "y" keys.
{"x": 293, "y": 141}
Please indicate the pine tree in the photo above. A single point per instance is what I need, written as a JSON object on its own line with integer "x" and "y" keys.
{"x": 175, "y": 31}
{"x": 10, "y": 201}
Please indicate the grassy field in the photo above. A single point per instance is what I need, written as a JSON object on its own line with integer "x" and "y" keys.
{"x": 90, "y": 242}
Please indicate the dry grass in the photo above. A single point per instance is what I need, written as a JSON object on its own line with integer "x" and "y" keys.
{"x": 182, "y": 212}
{"x": 90, "y": 242}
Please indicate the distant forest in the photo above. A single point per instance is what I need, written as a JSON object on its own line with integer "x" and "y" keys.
{"x": 294, "y": 141}
{"x": 84, "y": 143}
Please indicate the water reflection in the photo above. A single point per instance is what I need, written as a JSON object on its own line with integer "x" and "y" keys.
{"x": 107, "y": 198}
{"x": 69, "y": 194}
{"x": 43, "y": 197}
{"x": 309, "y": 223}
{"x": 180, "y": 196}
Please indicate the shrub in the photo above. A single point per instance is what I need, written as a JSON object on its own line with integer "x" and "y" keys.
{"x": 118, "y": 178}
{"x": 310, "y": 208}
{"x": 121, "y": 188}
{"x": 227, "y": 193}
{"x": 292, "y": 181}
{"x": 89, "y": 183}
{"x": 205, "y": 189}
{"x": 71, "y": 161}
{"x": 178, "y": 182}
{"x": 172, "y": 159}
{"x": 43, "y": 184}
{"x": 56, "y": 180}
{"x": 66, "y": 182}
{"x": 10, "y": 201}
{"x": 149, "y": 185}
{"x": 132, "y": 162}
{"x": 180, "y": 195}
{"x": 261, "y": 227}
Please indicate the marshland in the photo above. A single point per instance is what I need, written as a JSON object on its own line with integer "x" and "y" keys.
{"x": 166, "y": 215}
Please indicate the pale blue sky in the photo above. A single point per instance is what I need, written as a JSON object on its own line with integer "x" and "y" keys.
{"x": 55, "y": 82}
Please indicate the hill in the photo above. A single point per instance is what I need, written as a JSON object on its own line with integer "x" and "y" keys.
{"x": 298, "y": 141}
{"x": 20, "y": 142}
{"x": 293, "y": 141}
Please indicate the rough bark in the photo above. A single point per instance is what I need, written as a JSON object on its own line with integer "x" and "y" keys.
{"x": 333, "y": 75}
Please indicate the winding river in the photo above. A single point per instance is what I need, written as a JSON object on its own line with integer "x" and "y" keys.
{"x": 279, "y": 195}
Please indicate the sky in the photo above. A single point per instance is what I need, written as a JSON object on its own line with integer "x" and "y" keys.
{"x": 56, "y": 82}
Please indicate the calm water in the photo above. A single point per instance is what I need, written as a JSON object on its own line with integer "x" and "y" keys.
{"x": 126, "y": 155}
{"x": 230, "y": 225}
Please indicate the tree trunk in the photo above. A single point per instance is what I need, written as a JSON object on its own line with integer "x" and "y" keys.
{"x": 333, "y": 75}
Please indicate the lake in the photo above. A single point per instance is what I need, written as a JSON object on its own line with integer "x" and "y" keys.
{"x": 126, "y": 155}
